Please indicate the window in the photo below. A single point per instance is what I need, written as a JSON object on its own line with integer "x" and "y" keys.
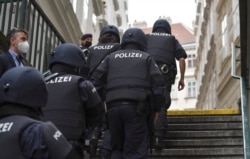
{"x": 191, "y": 61}
{"x": 191, "y": 89}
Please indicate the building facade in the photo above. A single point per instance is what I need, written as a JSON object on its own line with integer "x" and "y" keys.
{"x": 217, "y": 32}
{"x": 95, "y": 14}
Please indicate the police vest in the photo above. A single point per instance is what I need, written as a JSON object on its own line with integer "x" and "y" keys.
{"x": 98, "y": 53}
{"x": 127, "y": 76}
{"x": 161, "y": 47}
{"x": 65, "y": 108}
{"x": 10, "y": 130}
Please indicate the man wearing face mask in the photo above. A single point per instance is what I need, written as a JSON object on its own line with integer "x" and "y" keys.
{"x": 17, "y": 40}
{"x": 86, "y": 42}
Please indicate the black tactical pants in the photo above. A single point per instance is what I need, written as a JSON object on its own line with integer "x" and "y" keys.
{"x": 161, "y": 126}
{"x": 129, "y": 132}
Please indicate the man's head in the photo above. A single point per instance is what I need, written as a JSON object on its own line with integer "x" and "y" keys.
{"x": 109, "y": 34}
{"x": 67, "y": 58}
{"x": 24, "y": 86}
{"x": 86, "y": 40}
{"x": 162, "y": 25}
{"x": 17, "y": 40}
{"x": 134, "y": 36}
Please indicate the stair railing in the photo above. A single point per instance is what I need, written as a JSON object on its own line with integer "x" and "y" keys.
{"x": 244, "y": 105}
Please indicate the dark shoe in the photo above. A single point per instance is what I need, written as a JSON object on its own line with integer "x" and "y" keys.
{"x": 158, "y": 143}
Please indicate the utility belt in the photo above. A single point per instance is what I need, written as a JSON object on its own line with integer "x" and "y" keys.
{"x": 164, "y": 68}
{"x": 142, "y": 107}
{"x": 118, "y": 103}
{"x": 168, "y": 70}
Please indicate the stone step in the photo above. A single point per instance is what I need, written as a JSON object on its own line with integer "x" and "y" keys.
{"x": 199, "y": 152}
{"x": 201, "y": 143}
{"x": 205, "y": 126}
{"x": 204, "y": 134}
{"x": 196, "y": 157}
{"x": 205, "y": 119}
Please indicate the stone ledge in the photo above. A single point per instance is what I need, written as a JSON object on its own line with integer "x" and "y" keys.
{"x": 203, "y": 112}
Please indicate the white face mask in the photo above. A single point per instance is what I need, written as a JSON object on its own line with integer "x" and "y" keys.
{"x": 23, "y": 47}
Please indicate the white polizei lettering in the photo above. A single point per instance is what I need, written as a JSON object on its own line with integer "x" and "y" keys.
{"x": 108, "y": 46}
{"x": 103, "y": 47}
{"x": 5, "y": 127}
{"x": 61, "y": 79}
{"x": 128, "y": 55}
{"x": 160, "y": 34}
{"x": 93, "y": 90}
{"x": 67, "y": 78}
{"x": 10, "y": 126}
{"x": 1, "y": 125}
{"x": 116, "y": 55}
{"x": 57, "y": 134}
{"x": 51, "y": 81}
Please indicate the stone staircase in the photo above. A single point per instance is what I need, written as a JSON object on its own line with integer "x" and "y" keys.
{"x": 202, "y": 134}
{"x": 206, "y": 134}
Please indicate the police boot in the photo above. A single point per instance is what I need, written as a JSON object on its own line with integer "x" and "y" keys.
{"x": 158, "y": 143}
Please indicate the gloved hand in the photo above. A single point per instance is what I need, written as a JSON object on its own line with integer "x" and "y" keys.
{"x": 93, "y": 143}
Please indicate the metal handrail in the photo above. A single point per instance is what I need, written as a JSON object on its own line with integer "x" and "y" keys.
{"x": 244, "y": 105}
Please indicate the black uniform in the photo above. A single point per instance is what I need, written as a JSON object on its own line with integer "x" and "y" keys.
{"x": 23, "y": 93}
{"x": 74, "y": 106}
{"x": 12, "y": 137}
{"x": 131, "y": 78}
{"x": 98, "y": 53}
{"x": 165, "y": 49}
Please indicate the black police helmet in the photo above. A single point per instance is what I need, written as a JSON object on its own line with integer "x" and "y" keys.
{"x": 110, "y": 29}
{"x": 69, "y": 54}
{"x": 134, "y": 36}
{"x": 23, "y": 86}
{"x": 163, "y": 24}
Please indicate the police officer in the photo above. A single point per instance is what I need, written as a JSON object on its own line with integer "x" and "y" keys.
{"x": 131, "y": 78}
{"x": 22, "y": 135}
{"x": 73, "y": 105}
{"x": 108, "y": 42}
{"x": 166, "y": 49}
{"x": 86, "y": 42}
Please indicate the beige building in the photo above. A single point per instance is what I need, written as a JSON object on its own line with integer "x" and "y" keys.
{"x": 72, "y": 18}
{"x": 185, "y": 99}
{"x": 217, "y": 29}
{"x": 62, "y": 16}
{"x": 95, "y": 14}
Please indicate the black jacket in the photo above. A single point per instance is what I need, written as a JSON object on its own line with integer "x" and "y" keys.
{"x": 7, "y": 62}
